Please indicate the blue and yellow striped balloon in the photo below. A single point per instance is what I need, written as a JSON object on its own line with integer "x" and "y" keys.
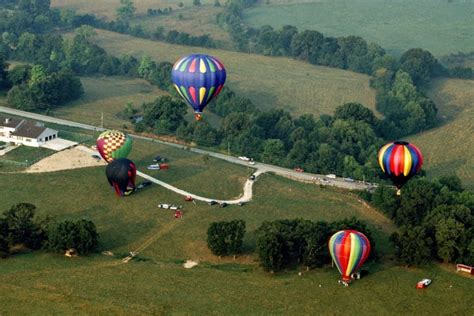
{"x": 400, "y": 161}
{"x": 198, "y": 79}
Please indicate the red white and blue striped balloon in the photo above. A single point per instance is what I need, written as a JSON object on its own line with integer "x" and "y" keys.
{"x": 198, "y": 79}
{"x": 349, "y": 250}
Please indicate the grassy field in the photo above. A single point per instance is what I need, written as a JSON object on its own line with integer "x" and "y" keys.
{"x": 48, "y": 283}
{"x": 108, "y": 9}
{"x": 269, "y": 82}
{"x": 442, "y": 27}
{"x": 448, "y": 148}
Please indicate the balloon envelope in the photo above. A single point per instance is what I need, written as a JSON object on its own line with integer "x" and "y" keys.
{"x": 113, "y": 144}
{"x": 400, "y": 161}
{"x": 121, "y": 175}
{"x": 349, "y": 250}
{"x": 198, "y": 79}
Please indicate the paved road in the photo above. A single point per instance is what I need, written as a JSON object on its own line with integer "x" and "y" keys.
{"x": 260, "y": 167}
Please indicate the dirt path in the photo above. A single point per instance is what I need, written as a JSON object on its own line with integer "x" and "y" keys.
{"x": 76, "y": 157}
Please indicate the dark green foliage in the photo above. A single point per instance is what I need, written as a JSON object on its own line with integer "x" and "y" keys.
{"x": 19, "y": 74}
{"x": 4, "y": 249}
{"x": 412, "y": 245}
{"x": 356, "y": 112}
{"x": 164, "y": 115}
{"x": 22, "y": 226}
{"x": 420, "y": 64}
{"x": 80, "y": 235}
{"x": 4, "y": 80}
{"x": 286, "y": 243}
{"x": 225, "y": 238}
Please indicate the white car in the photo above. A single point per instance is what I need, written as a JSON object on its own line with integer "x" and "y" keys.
{"x": 244, "y": 158}
{"x": 154, "y": 167}
{"x": 165, "y": 206}
{"x": 251, "y": 162}
{"x": 423, "y": 284}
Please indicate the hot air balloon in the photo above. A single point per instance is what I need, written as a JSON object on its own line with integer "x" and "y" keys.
{"x": 113, "y": 144}
{"x": 400, "y": 161}
{"x": 198, "y": 79}
{"x": 349, "y": 249}
{"x": 121, "y": 176}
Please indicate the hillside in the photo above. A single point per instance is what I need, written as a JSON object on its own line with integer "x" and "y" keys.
{"x": 270, "y": 82}
{"x": 442, "y": 27}
{"x": 448, "y": 148}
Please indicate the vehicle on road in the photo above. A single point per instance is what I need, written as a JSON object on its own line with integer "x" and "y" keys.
{"x": 331, "y": 176}
{"x": 252, "y": 177}
{"x": 251, "y": 162}
{"x": 212, "y": 202}
{"x": 423, "y": 284}
{"x": 299, "y": 169}
{"x": 244, "y": 158}
{"x": 154, "y": 167}
{"x": 348, "y": 179}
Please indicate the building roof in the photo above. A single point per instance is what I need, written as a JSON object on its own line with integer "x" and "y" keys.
{"x": 29, "y": 129}
{"x": 11, "y": 122}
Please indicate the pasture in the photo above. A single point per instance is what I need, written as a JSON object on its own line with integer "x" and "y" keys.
{"x": 51, "y": 283}
{"x": 448, "y": 148}
{"x": 108, "y": 9}
{"x": 269, "y": 82}
{"x": 442, "y": 27}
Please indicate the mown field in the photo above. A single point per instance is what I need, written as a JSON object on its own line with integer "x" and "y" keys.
{"x": 270, "y": 82}
{"x": 51, "y": 283}
{"x": 442, "y": 27}
{"x": 108, "y": 9}
{"x": 448, "y": 148}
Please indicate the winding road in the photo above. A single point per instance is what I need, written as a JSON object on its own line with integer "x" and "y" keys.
{"x": 247, "y": 194}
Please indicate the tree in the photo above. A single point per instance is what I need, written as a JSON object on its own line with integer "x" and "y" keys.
{"x": 22, "y": 228}
{"x": 420, "y": 64}
{"x": 4, "y": 249}
{"x": 412, "y": 245}
{"x": 4, "y": 81}
{"x": 225, "y": 238}
{"x": 146, "y": 67}
{"x": 449, "y": 239}
{"x": 273, "y": 151}
{"x": 80, "y": 235}
{"x": 196, "y": 2}
{"x": 126, "y": 11}
{"x": 217, "y": 3}
{"x": 316, "y": 252}
{"x": 38, "y": 74}
{"x": 164, "y": 115}
{"x": 356, "y": 112}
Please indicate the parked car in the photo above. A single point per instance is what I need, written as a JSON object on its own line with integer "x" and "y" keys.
{"x": 298, "y": 169}
{"x": 252, "y": 177}
{"x": 97, "y": 157}
{"x": 143, "y": 184}
{"x": 188, "y": 198}
{"x": 154, "y": 167}
{"x": 241, "y": 203}
{"x": 244, "y": 158}
{"x": 423, "y": 284}
{"x": 158, "y": 159}
{"x": 348, "y": 179}
{"x": 331, "y": 176}
{"x": 165, "y": 206}
{"x": 251, "y": 162}
{"x": 223, "y": 204}
{"x": 212, "y": 203}
{"x": 175, "y": 207}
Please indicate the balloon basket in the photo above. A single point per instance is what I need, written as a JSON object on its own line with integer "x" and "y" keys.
{"x": 197, "y": 116}
{"x": 399, "y": 192}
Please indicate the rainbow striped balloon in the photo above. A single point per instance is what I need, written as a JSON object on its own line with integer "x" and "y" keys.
{"x": 400, "y": 161}
{"x": 349, "y": 250}
{"x": 198, "y": 79}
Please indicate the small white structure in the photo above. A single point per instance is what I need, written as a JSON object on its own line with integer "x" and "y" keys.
{"x": 23, "y": 132}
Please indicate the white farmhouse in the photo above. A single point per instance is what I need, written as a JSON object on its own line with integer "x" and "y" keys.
{"x": 20, "y": 131}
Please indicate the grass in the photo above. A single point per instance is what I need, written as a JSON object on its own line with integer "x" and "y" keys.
{"x": 448, "y": 148}
{"x": 108, "y": 9}
{"x": 49, "y": 283}
{"x": 442, "y": 27}
{"x": 270, "y": 82}
{"x": 108, "y": 95}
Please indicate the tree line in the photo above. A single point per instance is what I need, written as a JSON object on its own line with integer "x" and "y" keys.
{"x": 435, "y": 220}
{"x": 283, "y": 244}
{"x": 21, "y": 228}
